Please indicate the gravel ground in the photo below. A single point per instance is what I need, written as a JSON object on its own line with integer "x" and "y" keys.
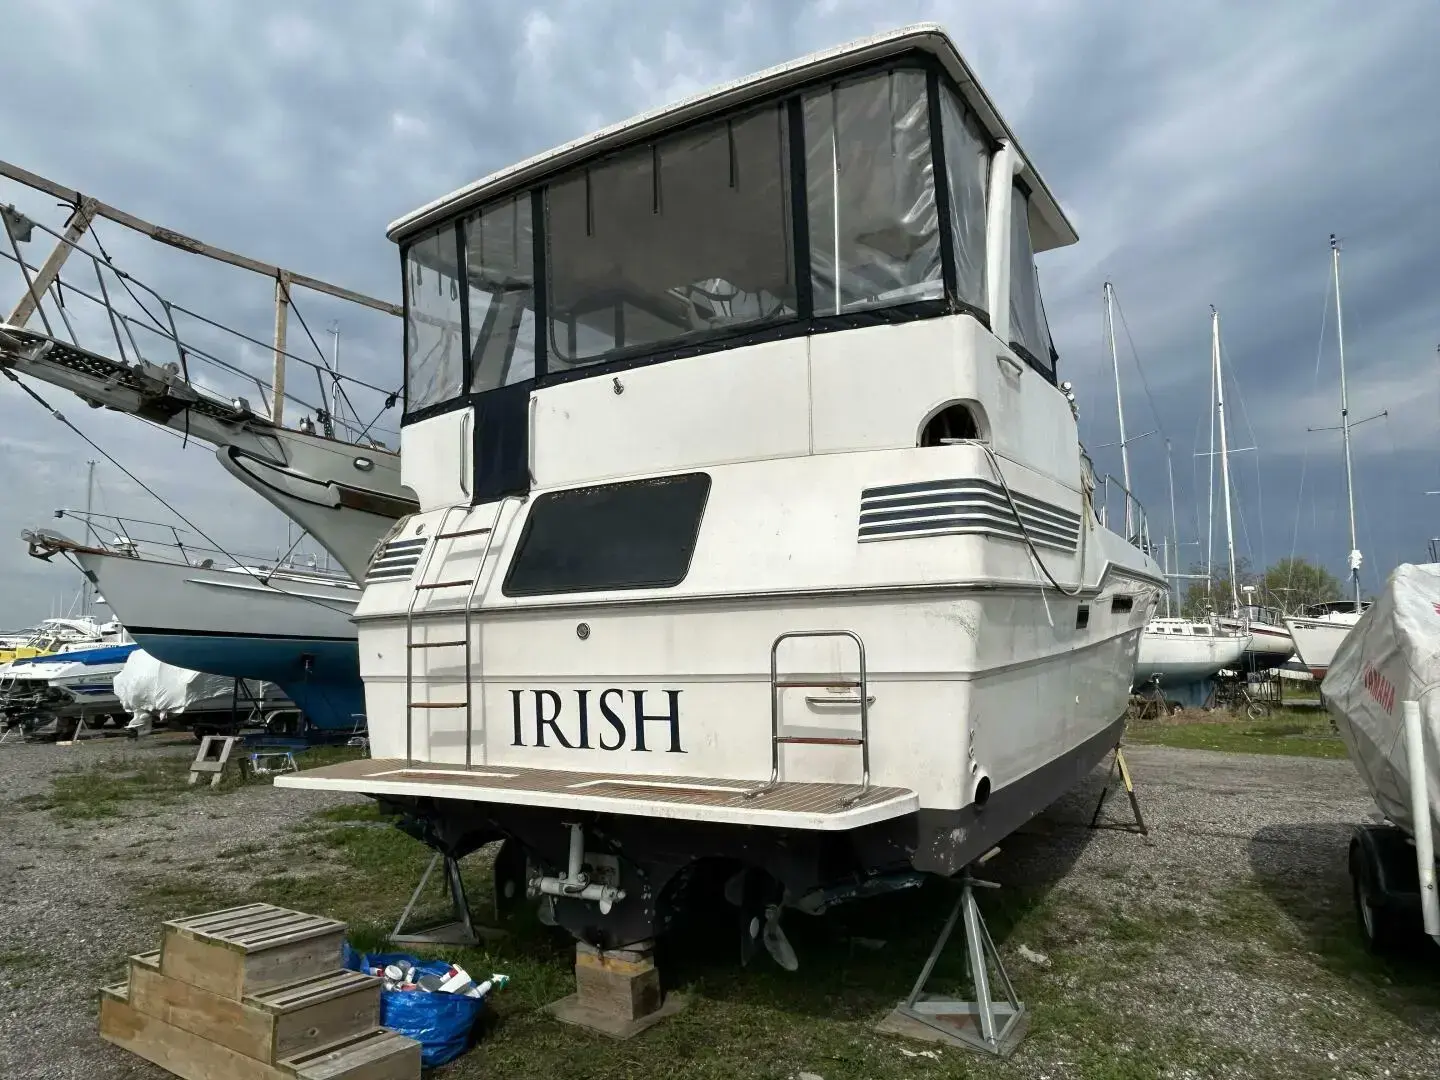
{"x": 65, "y": 919}
{"x": 1255, "y": 842}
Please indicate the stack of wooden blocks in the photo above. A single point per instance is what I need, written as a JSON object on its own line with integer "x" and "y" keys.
{"x": 255, "y": 993}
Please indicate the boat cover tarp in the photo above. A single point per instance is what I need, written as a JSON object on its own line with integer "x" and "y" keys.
{"x": 1392, "y": 655}
{"x": 147, "y": 687}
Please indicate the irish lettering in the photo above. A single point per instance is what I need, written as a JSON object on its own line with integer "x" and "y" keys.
{"x": 638, "y": 720}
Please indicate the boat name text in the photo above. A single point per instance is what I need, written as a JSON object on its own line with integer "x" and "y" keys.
{"x": 546, "y": 711}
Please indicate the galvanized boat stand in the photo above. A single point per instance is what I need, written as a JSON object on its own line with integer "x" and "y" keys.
{"x": 461, "y": 930}
{"x": 994, "y": 1027}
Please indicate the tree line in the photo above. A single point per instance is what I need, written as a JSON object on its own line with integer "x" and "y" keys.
{"x": 1290, "y": 585}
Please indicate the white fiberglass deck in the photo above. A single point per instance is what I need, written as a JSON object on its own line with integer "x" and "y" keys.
{"x": 693, "y": 798}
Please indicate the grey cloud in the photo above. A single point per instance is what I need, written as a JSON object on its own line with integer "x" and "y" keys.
{"x": 1204, "y": 151}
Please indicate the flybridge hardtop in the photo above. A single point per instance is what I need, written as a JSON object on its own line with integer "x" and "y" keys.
{"x": 755, "y": 538}
{"x": 928, "y": 39}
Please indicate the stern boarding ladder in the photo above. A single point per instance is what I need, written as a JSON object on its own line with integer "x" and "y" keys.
{"x": 817, "y": 806}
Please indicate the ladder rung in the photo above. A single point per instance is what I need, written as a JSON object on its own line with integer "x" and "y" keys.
{"x": 804, "y": 684}
{"x": 817, "y": 740}
{"x": 450, "y": 585}
{"x": 462, "y": 532}
{"x": 434, "y": 644}
{"x": 437, "y": 704}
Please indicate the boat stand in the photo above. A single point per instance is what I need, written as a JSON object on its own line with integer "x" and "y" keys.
{"x": 1138, "y": 825}
{"x": 993, "y": 1027}
{"x": 461, "y": 930}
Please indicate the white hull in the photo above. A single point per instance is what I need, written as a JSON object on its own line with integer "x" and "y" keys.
{"x": 151, "y": 595}
{"x": 1270, "y": 645}
{"x": 1316, "y": 640}
{"x": 1179, "y": 659}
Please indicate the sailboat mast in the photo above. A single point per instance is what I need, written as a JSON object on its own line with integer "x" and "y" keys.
{"x": 1218, "y": 376}
{"x": 1174, "y": 530}
{"x": 1345, "y": 425}
{"x": 1210, "y": 491}
{"x": 1119, "y": 399}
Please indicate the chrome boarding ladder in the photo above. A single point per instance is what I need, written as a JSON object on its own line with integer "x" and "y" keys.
{"x": 861, "y": 685}
{"x": 411, "y": 645}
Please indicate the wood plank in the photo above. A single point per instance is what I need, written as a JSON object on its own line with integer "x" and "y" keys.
{"x": 376, "y": 1055}
{"x": 233, "y": 1024}
{"x": 178, "y": 1051}
{"x": 286, "y": 963}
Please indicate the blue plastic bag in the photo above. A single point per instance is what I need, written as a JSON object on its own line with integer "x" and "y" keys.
{"x": 440, "y": 1023}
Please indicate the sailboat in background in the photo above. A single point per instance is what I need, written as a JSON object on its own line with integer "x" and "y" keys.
{"x": 1320, "y": 631}
{"x": 1268, "y": 644}
{"x": 1172, "y": 652}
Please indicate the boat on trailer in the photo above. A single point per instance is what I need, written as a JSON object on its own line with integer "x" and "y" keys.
{"x": 756, "y": 545}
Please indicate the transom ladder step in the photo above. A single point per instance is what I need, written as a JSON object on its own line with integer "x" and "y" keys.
{"x": 462, "y": 532}
{"x": 839, "y": 683}
{"x": 435, "y": 644}
{"x": 445, "y": 585}
{"x": 437, "y": 704}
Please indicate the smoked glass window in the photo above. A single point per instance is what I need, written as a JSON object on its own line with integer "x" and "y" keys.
{"x": 636, "y": 535}
{"x": 967, "y": 172}
{"x": 500, "y": 273}
{"x": 681, "y": 237}
{"x": 434, "y": 353}
{"x": 874, "y": 227}
{"x": 1029, "y": 332}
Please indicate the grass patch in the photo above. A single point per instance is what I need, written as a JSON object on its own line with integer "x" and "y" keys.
{"x": 105, "y": 789}
{"x": 1288, "y": 732}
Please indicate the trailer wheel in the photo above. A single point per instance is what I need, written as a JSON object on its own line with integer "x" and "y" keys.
{"x": 1379, "y": 928}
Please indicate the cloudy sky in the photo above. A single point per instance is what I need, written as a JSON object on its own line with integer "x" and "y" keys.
{"x": 1204, "y": 151}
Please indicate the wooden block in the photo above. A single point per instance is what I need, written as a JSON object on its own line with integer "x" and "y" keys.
{"x": 626, "y": 989}
{"x": 380, "y": 1054}
{"x": 240, "y": 950}
{"x": 181, "y": 1052}
{"x": 149, "y": 960}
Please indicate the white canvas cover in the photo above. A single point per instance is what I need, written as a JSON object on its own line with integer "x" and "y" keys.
{"x": 1392, "y": 656}
{"x": 147, "y": 688}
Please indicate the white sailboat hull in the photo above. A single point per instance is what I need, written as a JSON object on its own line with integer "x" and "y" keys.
{"x": 1180, "y": 659}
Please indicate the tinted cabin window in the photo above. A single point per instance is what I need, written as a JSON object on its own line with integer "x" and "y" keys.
{"x": 683, "y": 237}
{"x": 499, "y": 270}
{"x": 874, "y": 229}
{"x": 1029, "y": 332}
{"x": 967, "y": 168}
{"x": 434, "y": 353}
{"x": 1121, "y": 604}
{"x": 637, "y": 535}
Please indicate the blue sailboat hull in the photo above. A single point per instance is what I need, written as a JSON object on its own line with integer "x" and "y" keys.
{"x": 320, "y": 675}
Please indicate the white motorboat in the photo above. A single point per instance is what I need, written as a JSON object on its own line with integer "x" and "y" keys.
{"x": 271, "y": 624}
{"x": 1178, "y": 652}
{"x": 1318, "y": 633}
{"x": 60, "y": 688}
{"x": 700, "y": 580}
